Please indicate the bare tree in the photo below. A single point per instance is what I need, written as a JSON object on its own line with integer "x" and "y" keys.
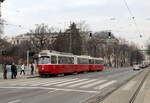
{"x": 148, "y": 49}
{"x": 41, "y": 37}
{"x": 1, "y": 27}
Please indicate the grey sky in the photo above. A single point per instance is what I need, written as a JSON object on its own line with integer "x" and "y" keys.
{"x": 96, "y": 13}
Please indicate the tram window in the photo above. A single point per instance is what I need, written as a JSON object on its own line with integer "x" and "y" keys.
{"x": 82, "y": 61}
{"x": 53, "y": 59}
{"x": 60, "y": 60}
{"x": 70, "y": 60}
{"x": 44, "y": 60}
{"x": 65, "y": 60}
{"x": 98, "y": 62}
{"x": 91, "y": 61}
{"x": 102, "y": 62}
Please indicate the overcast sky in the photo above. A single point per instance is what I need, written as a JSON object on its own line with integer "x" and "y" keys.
{"x": 98, "y": 15}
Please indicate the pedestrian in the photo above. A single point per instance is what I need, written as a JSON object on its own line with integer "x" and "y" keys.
{"x": 5, "y": 71}
{"x": 22, "y": 69}
{"x": 13, "y": 71}
{"x": 32, "y": 68}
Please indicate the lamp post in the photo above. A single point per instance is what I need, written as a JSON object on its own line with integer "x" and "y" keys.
{"x": 1, "y": 1}
{"x": 28, "y": 61}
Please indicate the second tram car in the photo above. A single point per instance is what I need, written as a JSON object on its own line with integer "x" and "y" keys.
{"x": 51, "y": 62}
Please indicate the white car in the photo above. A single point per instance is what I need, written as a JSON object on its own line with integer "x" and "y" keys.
{"x": 136, "y": 67}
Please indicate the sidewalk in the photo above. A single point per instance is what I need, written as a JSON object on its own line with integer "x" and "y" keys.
{"x": 27, "y": 76}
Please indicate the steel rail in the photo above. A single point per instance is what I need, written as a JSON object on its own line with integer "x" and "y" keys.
{"x": 139, "y": 88}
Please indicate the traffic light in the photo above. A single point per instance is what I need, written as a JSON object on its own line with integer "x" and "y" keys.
{"x": 109, "y": 35}
{"x": 90, "y": 34}
{"x": 31, "y": 54}
{"x": 3, "y": 53}
{"x": 2, "y": 0}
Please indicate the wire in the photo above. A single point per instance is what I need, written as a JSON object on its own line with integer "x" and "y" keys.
{"x": 133, "y": 18}
{"x": 128, "y": 8}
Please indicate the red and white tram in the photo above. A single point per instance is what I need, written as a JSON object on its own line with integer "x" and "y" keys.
{"x": 51, "y": 62}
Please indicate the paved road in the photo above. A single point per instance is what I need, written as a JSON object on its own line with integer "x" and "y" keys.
{"x": 133, "y": 91}
{"x": 68, "y": 89}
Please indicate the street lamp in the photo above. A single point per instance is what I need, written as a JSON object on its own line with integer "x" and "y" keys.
{"x": 0, "y": 13}
{"x": 2, "y": 0}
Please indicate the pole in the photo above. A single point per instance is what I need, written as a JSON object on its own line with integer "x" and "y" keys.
{"x": 0, "y": 20}
{"x": 70, "y": 47}
{"x": 28, "y": 60}
{"x": 0, "y": 10}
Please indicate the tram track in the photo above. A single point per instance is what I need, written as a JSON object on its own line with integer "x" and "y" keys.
{"x": 100, "y": 97}
{"x": 139, "y": 88}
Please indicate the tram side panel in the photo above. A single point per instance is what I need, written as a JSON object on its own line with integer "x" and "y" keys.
{"x": 81, "y": 68}
{"x": 94, "y": 67}
{"x": 61, "y": 69}
{"x": 96, "y": 64}
{"x": 56, "y": 69}
{"x": 44, "y": 69}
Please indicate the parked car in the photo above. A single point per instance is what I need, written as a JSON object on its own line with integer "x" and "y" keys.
{"x": 136, "y": 67}
{"x": 142, "y": 66}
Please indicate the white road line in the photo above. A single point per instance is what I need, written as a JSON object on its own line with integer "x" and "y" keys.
{"x": 12, "y": 81}
{"x": 59, "y": 82}
{"x": 105, "y": 85}
{"x": 15, "y": 101}
{"x": 37, "y": 82}
{"x": 129, "y": 85}
{"x": 52, "y": 91}
{"x": 78, "y": 84}
{"x": 144, "y": 84}
{"x": 63, "y": 84}
{"x": 22, "y": 82}
{"x": 93, "y": 84}
{"x": 46, "y": 81}
{"x": 69, "y": 90}
{"x": 27, "y": 83}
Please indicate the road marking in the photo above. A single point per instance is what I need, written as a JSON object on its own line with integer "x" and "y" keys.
{"x": 105, "y": 85}
{"x": 59, "y": 82}
{"x": 144, "y": 84}
{"x": 93, "y": 84}
{"x": 27, "y": 83}
{"x": 47, "y": 81}
{"x": 78, "y": 84}
{"x": 36, "y": 82}
{"x": 63, "y": 84}
{"x": 23, "y": 82}
{"x": 15, "y": 101}
{"x": 52, "y": 91}
{"x": 69, "y": 90}
{"x": 129, "y": 85}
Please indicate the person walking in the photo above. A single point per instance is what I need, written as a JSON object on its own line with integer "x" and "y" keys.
{"x": 13, "y": 71}
{"x": 5, "y": 71}
{"x": 32, "y": 68}
{"x": 22, "y": 69}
